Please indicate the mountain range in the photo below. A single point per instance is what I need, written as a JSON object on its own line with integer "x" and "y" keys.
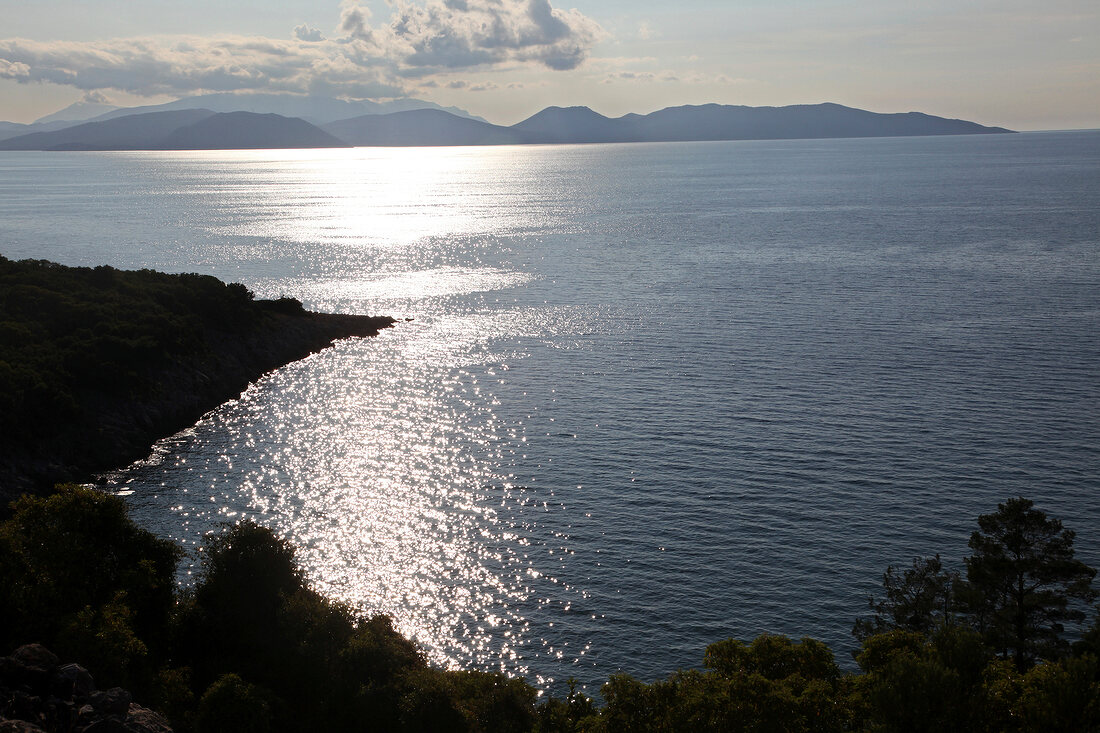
{"x": 217, "y": 126}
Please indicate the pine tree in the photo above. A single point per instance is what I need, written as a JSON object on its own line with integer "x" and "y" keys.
{"x": 1023, "y": 581}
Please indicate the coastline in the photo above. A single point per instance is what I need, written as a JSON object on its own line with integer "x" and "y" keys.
{"x": 189, "y": 344}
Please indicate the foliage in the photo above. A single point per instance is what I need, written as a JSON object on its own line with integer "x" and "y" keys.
{"x": 251, "y": 615}
{"x": 917, "y": 598}
{"x": 772, "y": 684}
{"x": 914, "y": 682}
{"x": 252, "y": 648}
{"x": 231, "y": 704}
{"x": 1022, "y": 580}
{"x": 78, "y": 575}
{"x": 75, "y": 341}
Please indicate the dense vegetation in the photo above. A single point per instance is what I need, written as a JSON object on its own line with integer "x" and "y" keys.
{"x": 97, "y": 363}
{"x": 252, "y": 648}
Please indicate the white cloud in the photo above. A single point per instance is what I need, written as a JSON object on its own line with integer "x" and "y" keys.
{"x": 14, "y": 70}
{"x": 362, "y": 61}
{"x": 181, "y": 65}
{"x": 96, "y": 98}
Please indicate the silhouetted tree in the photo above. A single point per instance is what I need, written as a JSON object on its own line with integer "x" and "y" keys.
{"x": 917, "y": 599}
{"x": 1022, "y": 580}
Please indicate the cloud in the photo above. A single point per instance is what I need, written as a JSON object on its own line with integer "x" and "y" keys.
{"x": 454, "y": 34}
{"x": 671, "y": 77}
{"x": 363, "y": 60}
{"x": 305, "y": 33}
{"x": 14, "y": 70}
{"x": 182, "y": 65}
{"x": 96, "y": 98}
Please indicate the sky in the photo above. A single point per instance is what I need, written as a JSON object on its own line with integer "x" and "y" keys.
{"x": 1022, "y": 64}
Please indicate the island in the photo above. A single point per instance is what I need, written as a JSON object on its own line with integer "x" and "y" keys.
{"x": 97, "y": 364}
{"x": 170, "y": 127}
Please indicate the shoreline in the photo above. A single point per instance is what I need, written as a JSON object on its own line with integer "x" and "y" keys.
{"x": 89, "y": 394}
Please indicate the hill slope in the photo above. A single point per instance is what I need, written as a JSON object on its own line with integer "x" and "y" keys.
{"x": 135, "y": 132}
{"x": 100, "y": 363}
{"x": 248, "y": 130}
{"x": 421, "y": 127}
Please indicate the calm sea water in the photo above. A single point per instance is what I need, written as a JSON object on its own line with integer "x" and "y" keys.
{"x": 651, "y": 396}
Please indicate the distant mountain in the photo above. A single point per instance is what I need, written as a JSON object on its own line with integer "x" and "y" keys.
{"x": 12, "y": 129}
{"x": 77, "y": 112}
{"x": 248, "y": 130}
{"x": 189, "y": 129}
{"x": 725, "y": 122}
{"x": 573, "y": 125}
{"x": 421, "y": 127}
{"x": 207, "y": 129}
{"x": 721, "y": 122}
{"x": 315, "y": 109}
{"x": 705, "y": 122}
{"x": 135, "y": 132}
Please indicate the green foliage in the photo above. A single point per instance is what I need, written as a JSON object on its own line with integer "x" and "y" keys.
{"x": 104, "y": 640}
{"x": 772, "y": 684}
{"x": 917, "y": 598}
{"x": 574, "y": 714}
{"x": 914, "y": 682}
{"x": 1022, "y": 578}
{"x": 231, "y": 704}
{"x": 260, "y": 651}
{"x": 75, "y": 341}
{"x": 78, "y": 575}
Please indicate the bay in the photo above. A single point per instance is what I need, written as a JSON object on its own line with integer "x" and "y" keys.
{"x": 650, "y": 396}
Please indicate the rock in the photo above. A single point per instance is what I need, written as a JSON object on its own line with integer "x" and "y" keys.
{"x": 19, "y": 726}
{"x": 115, "y": 701}
{"x": 35, "y": 656}
{"x": 23, "y": 706}
{"x": 144, "y": 720}
{"x": 110, "y": 724}
{"x": 39, "y": 696}
{"x": 73, "y": 682}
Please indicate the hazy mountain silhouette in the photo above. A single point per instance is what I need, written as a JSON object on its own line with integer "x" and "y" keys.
{"x": 572, "y": 125}
{"x": 12, "y": 129}
{"x": 248, "y": 130}
{"x": 315, "y": 109}
{"x": 78, "y": 112}
{"x": 135, "y": 132}
{"x": 725, "y": 122}
{"x": 421, "y": 127}
{"x": 207, "y": 129}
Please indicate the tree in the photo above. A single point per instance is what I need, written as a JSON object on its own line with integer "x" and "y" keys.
{"x": 917, "y": 599}
{"x": 922, "y": 682}
{"x": 1023, "y": 580}
{"x": 78, "y": 575}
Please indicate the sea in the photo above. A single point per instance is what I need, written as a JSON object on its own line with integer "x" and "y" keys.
{"x": 640, "y": 398}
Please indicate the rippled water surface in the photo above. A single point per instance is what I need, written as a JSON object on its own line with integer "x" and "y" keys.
{"x": 650, "y": 396}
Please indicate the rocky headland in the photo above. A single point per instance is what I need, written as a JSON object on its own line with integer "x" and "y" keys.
{"x": 96, "y": 364}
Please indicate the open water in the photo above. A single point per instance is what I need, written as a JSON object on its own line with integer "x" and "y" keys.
{"x": 651, "y": 396}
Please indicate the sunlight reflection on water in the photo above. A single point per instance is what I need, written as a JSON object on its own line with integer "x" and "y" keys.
{"x": 651, "y": 396}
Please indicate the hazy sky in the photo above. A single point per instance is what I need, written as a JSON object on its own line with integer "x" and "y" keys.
{"x": 1024, "y": 64}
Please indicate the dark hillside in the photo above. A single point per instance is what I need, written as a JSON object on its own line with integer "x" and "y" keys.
{"x": 248, "y": 131}
{"x": 97, "y": 364}
{"x": 136, "y": 132}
